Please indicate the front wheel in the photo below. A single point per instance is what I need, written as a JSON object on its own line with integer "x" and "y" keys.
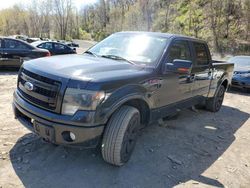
{"x": 120, "y": 135}
{"x": 214, "y": 104}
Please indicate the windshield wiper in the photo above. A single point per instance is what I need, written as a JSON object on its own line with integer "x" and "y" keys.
{"x": 91, "y": 53}
{"x": 115, "y": 57}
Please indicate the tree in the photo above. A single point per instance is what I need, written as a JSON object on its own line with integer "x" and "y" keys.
{"x": 62, "y": 11}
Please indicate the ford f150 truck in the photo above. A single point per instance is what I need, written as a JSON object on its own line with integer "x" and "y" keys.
{"x": 106, "y": 95}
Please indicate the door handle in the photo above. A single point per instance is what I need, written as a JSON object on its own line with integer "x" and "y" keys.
{"x": 192, "y": 76}
{"x": 156, "y": 85}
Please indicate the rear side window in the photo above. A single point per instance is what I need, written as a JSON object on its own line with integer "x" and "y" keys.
{"x": 13, "y": 44}
{"x": 201, "y": 54}
{"x": 179, "y": 50}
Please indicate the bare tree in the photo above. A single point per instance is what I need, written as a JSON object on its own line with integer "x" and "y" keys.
{"x": 62, "y": 11}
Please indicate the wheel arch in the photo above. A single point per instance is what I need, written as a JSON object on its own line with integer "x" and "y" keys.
{"x": 143, "y": 108}
{"x": 225, "y": 83}
{"x": 132, "y": 95}
{"x": 214, "y": 87}
{"x": 135, "y": 100}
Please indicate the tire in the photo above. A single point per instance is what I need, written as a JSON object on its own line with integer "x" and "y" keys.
{"x": 214, "y": 104}
{"x": 120, "y": 135}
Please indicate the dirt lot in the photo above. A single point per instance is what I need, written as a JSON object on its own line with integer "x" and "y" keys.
{"x": 198, "y": 149}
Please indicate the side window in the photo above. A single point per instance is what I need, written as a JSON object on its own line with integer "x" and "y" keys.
{"x": 40, "y": 46}
{"x": 60, "y": 47}
{"x": 46, "y": 45}
{"x": 179, "y": 50}
{"x": 0, "y": 43}
{"x": 12, "y": 44}
{"x": 201, "y": 54}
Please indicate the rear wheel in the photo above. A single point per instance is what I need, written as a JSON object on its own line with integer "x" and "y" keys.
{"x": 214, "y": 104}
{"x": 120, "y": 135}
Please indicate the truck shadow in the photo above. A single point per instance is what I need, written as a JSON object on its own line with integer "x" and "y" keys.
{"x": 8, "y": 71}
{"x": 164, "y": 156}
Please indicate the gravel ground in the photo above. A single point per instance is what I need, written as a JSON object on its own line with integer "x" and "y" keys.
{"x": 196, "y": 149}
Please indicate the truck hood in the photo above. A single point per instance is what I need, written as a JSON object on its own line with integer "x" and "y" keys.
{"x": 85, "y": 67}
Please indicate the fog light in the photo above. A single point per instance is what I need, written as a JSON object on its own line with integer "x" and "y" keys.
{"x": 68, "y": 136}
{"x": 72, "y": 136}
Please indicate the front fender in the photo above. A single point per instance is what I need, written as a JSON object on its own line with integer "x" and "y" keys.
{"x": 119, "y": 97}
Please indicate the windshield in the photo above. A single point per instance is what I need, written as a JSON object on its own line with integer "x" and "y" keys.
{"x": 138, "y": 48}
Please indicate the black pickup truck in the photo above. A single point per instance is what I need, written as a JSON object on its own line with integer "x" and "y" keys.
{"x": 106, "y": 95}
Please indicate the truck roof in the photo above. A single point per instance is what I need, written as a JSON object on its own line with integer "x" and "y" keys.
{"x": 166, "y": 35}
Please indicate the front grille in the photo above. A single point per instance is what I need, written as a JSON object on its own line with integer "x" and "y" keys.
{"x": 44, "y": 92}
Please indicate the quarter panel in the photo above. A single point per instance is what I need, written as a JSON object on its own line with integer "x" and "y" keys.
{"x": 220, "y": 72}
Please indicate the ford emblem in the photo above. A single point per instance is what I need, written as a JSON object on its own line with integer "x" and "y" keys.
{"x": 29, "y": 86}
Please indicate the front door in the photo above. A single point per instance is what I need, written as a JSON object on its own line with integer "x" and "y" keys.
{"x": 176, "y": 87}
{"x": 15, "y": 52}
{"x": 48, "y": 46}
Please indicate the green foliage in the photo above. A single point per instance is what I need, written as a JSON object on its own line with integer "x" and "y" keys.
{"x": 134, "y": 19}
{"x": 99, "y": 35}
{"x": 68, "y": 38}
{"x": 84, "y": 35}
{"x": 189, "y": 18}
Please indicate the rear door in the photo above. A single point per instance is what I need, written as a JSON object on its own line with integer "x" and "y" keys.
{"x": 201, "y": 69}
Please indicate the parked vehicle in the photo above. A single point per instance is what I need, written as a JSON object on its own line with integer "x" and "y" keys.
{"x": 20, "y": 37}
{"x": 30, "y": 40}
{"x": 14, "y": 52}
{"x": 116, "y": 88}
{"x": 55, "y": 48}
{"x": 72, "y": 44}
{"x": 241, "y": 77}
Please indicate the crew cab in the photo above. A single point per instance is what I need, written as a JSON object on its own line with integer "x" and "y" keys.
{"x": 108, "y": 94}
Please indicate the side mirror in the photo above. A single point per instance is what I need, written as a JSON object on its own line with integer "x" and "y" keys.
{"x": 179, "y": 66}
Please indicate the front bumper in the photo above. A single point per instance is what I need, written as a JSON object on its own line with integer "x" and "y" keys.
{"x": 241, "y": 84}
{"x": 55, "y": 128}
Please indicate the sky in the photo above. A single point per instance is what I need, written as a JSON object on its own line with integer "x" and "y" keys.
{"x": 9, "y": 3}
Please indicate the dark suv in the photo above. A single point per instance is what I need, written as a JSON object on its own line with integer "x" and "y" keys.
{"x": 116, "y": 88}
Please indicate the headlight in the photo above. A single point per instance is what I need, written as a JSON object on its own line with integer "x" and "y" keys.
{"x": 78, "y": 99}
